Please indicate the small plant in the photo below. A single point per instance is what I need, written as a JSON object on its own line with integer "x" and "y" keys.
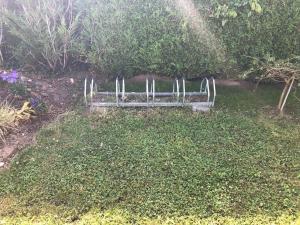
{"x": 6, "y": 119}
{"x": 18, "y": 89}
{"x": 10, "y": 117}
{"x": 38, "y": 105}
{"x": 25, "y": 113}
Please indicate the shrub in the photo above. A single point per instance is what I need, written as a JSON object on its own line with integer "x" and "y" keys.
{"x": 45, "y": 33}
{"x": 284, "y": 71}
{"x": 258, "y": 28}
{"x": 179, "y": 37}
{"x": 11, "y": 117}
{"x": 6, "y": 119}
{"x": 135, "y": 37}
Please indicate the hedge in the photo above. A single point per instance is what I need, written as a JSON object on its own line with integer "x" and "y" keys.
{"x": 180, "y": 37}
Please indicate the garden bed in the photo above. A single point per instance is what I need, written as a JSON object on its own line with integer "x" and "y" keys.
{"x": 55, "y": 96}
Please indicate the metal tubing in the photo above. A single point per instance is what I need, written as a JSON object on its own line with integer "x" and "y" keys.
{"x": 117, "y": 93}
{"x": 183, "y": 86}
{"x": 144, "y": 104}
{"x": 157, "y": 94}
{"x": 123, "y": 89}
{"x": 147, "y": 90}
{"x": 92, "y": 90}
{"x": 85, "y": 91}
{"x": 215, "y": 91}
{"x": 153, "y": 94}
{"x": 205, "y": 90}
{"x": 208, "y": 90}
{"x": 178, "y": 91}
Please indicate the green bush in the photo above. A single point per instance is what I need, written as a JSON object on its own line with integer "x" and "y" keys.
{"x": 258, "y": 29}
{"x": 44, "y": 32}
{"x": 160, "y": 36}
{"x": 133, "y": 37}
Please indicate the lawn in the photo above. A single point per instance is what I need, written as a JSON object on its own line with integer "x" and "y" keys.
{"x": 240, "y": 164}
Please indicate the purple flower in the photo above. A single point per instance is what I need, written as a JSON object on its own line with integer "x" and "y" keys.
{"x": 11, "y": 78}
{"x": 34, "y": 102}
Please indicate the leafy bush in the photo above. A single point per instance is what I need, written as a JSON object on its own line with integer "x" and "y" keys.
{"x": 285, "y": 71}
{"x": 6, "y": 119}
{"x": 45, "y": 32}
{"x": 258, "y": 28}
{"x": 133, "y": 37}
{"x": 182, "y": 37}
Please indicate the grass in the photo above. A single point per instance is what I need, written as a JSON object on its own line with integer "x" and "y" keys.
{"x": 237, "y": 165}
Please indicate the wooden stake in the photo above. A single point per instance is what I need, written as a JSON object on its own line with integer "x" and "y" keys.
{"x": 287, "y": 95}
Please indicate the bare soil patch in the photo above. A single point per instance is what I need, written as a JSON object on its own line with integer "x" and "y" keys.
{"x": 58, "y": 94}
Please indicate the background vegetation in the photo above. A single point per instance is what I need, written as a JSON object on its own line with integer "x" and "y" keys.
{"x": 160, "y": 37}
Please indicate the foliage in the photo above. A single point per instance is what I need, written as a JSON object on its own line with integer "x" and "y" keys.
{"x": 258, "y": 29}
{"x": 18, "y": 89}
{"x": 11, "y": 117}
{"x": 182, "y": 37}
{"x": 159, "y": 166}
{"x": 286, "y": 71}
{"x": 276, "y": 70}
{"x": 38, "y": 105}
{"x": 133, "y": 37}
{"x": 6, "y": 119}
{"x": 44, "y": 33}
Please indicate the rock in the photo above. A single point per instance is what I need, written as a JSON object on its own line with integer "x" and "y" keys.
{"x": 2, "y": 164}
{"x": 199, "y": 108}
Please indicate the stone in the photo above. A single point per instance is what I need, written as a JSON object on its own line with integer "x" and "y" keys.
{"x": 199, "y": 108}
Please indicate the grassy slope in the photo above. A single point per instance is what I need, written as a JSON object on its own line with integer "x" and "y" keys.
{"x": 236, "y": 165}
